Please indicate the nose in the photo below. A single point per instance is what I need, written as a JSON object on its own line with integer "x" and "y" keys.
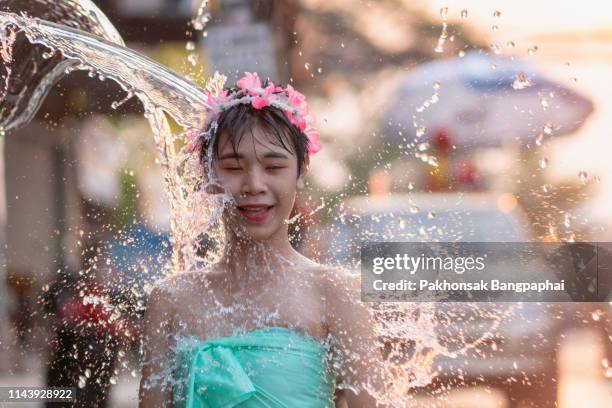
{"x": 253, "y": 183}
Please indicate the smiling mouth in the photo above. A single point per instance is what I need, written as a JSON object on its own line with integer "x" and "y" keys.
{"x": 255, "y": 212}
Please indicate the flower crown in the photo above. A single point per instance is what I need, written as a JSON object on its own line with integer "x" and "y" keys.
{"x": 251, "y": 92}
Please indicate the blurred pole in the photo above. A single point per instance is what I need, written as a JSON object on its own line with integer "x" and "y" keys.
{"x": 4, "y": 293}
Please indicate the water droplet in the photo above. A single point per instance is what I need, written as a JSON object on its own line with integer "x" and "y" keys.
{"x": 495, "y": 48}
{"x": 493, "y": 66}
{"x": 521, "y": 82}
{"x": 494, "y": 27}
{"x": 532, "y": 50}
{"x": 496, "y": 13}
{"x": 546, "y": 188}
{"x": 574, "y": 79}
{"x": 548, "y": 128}
{"x": 87, "y": 373}
{"x": 543, "y": 162}
{"x": 420, "y": 131}
{"x": 596, "y": 315}
{"x": 320, "y": 70}
{"x": 461, "y": 54}
{"x": 583, "y": 176}
{"x": 201, "y": 19}
{"x": 47, "y": 55}
{"x": 432, "y": 161}
{"x": 307, "y": 66}
{"x": 342, "y": 45}
{"x": 539, "y": 139}
{"x": 190, "y": 46}
{"x": 567, "y": 220}
{"x": 414, "y": 209}
{"x": 436, "y": 85}
{"x": 464, "y": 13}
{"x": 431, "y": 215}
{"x": 411, "y": 186}
{"x": 444, "y": 12}
{"x": 82, "y": 381}
{"x": 510, "y": 44}
{"x": 193, "y": 59}
{"x": 91, "y": 74}
{"x": 113, "y": 380}
{"x": 423, "y": 146}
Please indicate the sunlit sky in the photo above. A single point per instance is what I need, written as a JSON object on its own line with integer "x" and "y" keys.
{"x": 532, "y": 17}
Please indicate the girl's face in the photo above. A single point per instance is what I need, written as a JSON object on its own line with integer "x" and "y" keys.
{"x": 263, "y": 180}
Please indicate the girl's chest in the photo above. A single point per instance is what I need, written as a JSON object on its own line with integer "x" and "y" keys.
{"x": 303, "y": 310}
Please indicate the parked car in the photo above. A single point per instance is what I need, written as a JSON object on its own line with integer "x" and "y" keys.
{"x": 519, "y": 353}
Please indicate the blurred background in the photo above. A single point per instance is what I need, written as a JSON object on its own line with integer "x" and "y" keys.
{"x": 441, "y": 121}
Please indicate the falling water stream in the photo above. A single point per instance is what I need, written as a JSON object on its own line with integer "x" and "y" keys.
{"x": 410, "y": 330}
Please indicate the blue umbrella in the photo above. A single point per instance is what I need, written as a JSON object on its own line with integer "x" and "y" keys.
{"x": 483, "y": 100}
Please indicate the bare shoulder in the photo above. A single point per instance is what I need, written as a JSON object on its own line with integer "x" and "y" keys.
{"x": 340, "y": 278}
{"x": 337, "y": 281}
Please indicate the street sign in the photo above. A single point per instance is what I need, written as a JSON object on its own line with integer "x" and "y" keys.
{"x": 232, "y": 50}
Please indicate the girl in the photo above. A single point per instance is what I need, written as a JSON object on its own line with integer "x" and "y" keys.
{"x": 264, "y": 326}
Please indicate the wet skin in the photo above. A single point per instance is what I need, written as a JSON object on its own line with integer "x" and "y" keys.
{"x": 260, "y": 279}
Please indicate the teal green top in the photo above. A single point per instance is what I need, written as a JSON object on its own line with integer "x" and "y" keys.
{"x": 273, "y": 367}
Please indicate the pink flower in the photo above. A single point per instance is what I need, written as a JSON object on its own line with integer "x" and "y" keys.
{"x": 258, "y": 102}
{"x": 214, "y": 101}
{"x": 250, "y": 83}
{"x": 266, "y": 97}
{"x": 270, "y": 89}
{"x": 297, "y": 120}
{"x": 296, "y": 99}
{"x": 314, "y": 148}
{"x": 313, "y": 136}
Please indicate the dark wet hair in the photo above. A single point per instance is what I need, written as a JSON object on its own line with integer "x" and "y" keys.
{"x": 242, "y": 118}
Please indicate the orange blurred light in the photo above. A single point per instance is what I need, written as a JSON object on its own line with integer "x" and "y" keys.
{"x": 506, "y": 202}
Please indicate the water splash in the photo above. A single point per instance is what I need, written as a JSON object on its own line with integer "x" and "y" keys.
{"x": 30, "y": 71}
{"x": 444, "y": 34}
{"x": 409, "y": 331}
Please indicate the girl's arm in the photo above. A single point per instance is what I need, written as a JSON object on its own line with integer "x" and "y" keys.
{"x": 352, "y": 331}
{"x": 155, "y": 388}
